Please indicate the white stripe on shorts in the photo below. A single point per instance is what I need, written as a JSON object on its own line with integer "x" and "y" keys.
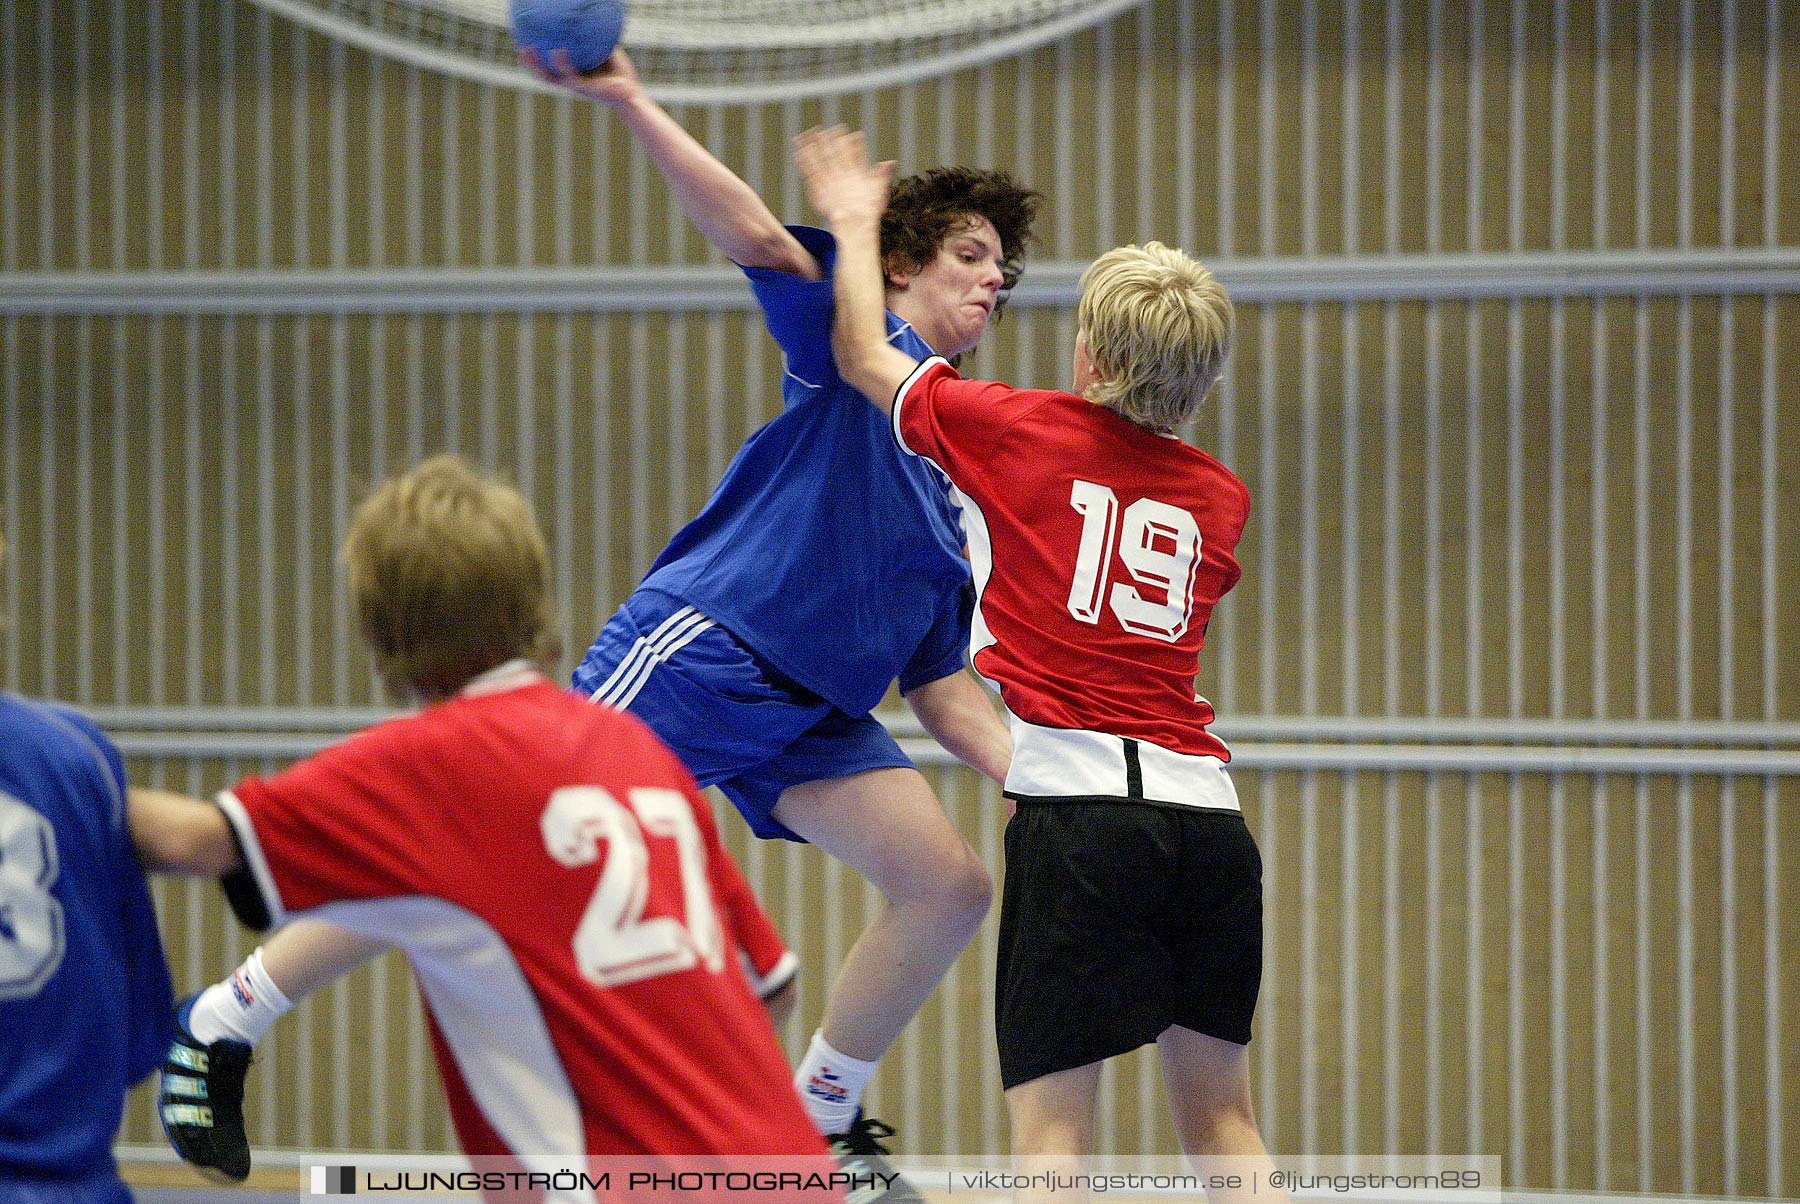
{"x": 671, "y": 636}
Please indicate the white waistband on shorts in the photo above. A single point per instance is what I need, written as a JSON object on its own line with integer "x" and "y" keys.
{"x": 1051, "y": 762}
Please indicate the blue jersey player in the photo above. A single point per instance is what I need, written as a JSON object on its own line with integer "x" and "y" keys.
{"x": 826, "y": 566}
{"x": 85, "y": 1002}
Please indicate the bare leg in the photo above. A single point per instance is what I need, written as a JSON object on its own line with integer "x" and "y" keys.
{"x": 1209, "y": 1092}
{"x": 1053, "y": 1129}
{"x": 887, "y": 826}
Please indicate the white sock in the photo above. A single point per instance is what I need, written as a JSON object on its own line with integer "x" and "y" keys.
{"x": 241, "y": 1008}
{"x": 831, "y": 1085}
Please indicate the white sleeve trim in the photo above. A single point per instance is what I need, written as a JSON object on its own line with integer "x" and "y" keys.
{"x": 785, "y": 970}
{"x": 900, "y": 397}
{"x": 253, "y": 856}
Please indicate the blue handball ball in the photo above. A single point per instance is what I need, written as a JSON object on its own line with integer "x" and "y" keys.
{"x": 587, "y": 29}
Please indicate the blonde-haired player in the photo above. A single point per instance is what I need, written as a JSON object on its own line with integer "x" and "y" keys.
{"x": 1155, "y": 329}
{"x": 1132, "y": 909}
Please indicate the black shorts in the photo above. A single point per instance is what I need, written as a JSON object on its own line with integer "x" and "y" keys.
{"x": 1117, "y": 920}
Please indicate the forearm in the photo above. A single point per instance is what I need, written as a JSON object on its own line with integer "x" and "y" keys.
{"x": 308, "y": 954}
{"x": 178, "y": 834}
{"x": 852, "y": 193}
{"x": 960, "y": 716}
{"x": 872, "y": 366}
{"x": 725, "y": 209}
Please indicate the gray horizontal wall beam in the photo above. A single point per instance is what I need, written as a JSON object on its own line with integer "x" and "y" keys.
{"x": 1772, "y": 270}
{"x": 1291, "y": 728}
{"x": 1267, "y": 742}
{"x": 1261, "y": 755}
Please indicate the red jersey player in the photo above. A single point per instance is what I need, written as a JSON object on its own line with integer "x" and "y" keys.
{"x": 1132, "y": 908}
{"x": 548, "y": 867}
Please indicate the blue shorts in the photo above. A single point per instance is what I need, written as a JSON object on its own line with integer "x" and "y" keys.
{"x": 735, "y": 720}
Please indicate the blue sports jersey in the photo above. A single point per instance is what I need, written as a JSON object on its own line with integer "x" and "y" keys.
{"x": 85, "y": 1003}
{"x": 825, "y": 548}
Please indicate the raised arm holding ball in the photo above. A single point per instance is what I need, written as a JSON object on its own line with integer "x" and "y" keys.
{"x": 776, "y": 620}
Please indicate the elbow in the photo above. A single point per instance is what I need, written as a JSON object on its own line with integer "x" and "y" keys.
{"x": 181, "y": 836}
{"x": 165, "y": 852}
{"x": 210, "y": 857}
{"x": 940, "y": 719}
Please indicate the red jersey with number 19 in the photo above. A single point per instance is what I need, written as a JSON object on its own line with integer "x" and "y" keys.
{"x": 1099, "y": 549}
{"x": 557, "y": 883}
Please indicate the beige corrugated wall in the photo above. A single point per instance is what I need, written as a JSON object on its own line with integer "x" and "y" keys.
{"x": 1514, "y": 670}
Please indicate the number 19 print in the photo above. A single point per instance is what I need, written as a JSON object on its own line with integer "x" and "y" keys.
{"x": 1160, "y": 547}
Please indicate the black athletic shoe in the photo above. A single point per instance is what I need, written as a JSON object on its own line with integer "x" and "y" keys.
{"x": 201, "y": 1101}
{"x": 860, "y": 1153}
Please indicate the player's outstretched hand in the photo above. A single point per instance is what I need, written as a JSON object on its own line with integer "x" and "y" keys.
{"x": 840, "y": 181}
{"x": 612, "y": 82}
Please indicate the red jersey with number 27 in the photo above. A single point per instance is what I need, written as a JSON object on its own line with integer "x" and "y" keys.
{"x": 1099, "y": 549}
{"x": 556, "y": 881}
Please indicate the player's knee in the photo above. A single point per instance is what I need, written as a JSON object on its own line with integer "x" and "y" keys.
{"x": 954, "y": 887}
{"x": 968, "y": 891}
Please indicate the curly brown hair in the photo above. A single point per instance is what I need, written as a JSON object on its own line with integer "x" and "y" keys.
{"x": 925, "y": 209}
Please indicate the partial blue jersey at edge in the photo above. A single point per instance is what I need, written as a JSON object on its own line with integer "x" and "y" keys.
{"x": 826, "y": 548}
{"x": 85, "y": 1003}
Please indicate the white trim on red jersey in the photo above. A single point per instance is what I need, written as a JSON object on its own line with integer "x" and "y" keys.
{"x": 512, "y": 675}
{"x": 471, "y": 979}
{"x": 784, "y": 971}
{"x": 509, "y": 676}
{"x": 1050, "y": 762}
{"x": 491, "y": 1021}
{"x": 900, "y": 399}
{"x": 254, "y": 861}
{"x": 975, "y": 528}
{"x": 981, "y": 569}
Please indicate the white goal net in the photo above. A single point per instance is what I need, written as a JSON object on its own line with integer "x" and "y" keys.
{"x": 724, "y": 50}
